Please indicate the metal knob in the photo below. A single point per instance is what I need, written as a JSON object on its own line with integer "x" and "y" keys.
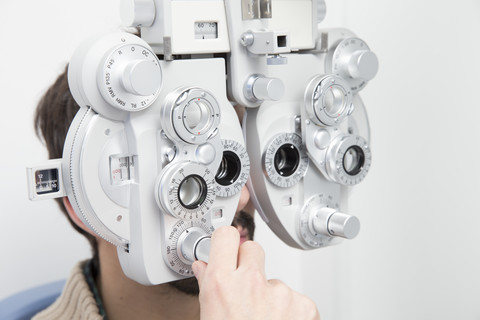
{"x": 141, "y": 78}
{"x": 261, "y": 88}
{"x": 363, "y": 64}
{"x": 195, "y": 245}
{"x": 137, "y": 13}
{"x": 331, "y": 222}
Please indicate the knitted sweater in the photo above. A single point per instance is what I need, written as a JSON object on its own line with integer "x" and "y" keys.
{"x": 76, "y": 301}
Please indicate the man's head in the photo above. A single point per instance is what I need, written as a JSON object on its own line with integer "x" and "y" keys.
{"x": 53, "y": 117}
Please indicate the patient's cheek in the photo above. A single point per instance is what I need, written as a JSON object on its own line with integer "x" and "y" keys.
{"x": 244, "y": 197}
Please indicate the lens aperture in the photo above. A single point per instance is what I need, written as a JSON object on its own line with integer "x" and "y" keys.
{"x": 286, "y": 160}
{"x": 192, "y": 192}
{"x": 229, "y": 169}
{"x": 197, "y": 116}
{"x": 353, "y": 160}
{"x": 334, "y": 101}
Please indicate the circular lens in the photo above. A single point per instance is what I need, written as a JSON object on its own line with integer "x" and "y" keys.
{"x": 334, "y": 101}
{"x": 353, "y": 160}
{"x": 192, "y": 192}
{"x": 229, "y": 169}
{"x": 197, "y": 116}
{"x": 286, "y": 160}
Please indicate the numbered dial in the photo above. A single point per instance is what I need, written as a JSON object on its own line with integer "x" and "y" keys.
{"x": 234, "y": 169}
{"x": 353, "y": 60}
{"x": 320, "y": 222}
{"x": 285, "y": 160}
{"x": 46, "y": 181}
{"x": 186, "y": 190}
{"x": 131, "y": 78}
{"x": 177, "y": 257}
{"x": 348, "y": 159}
{"x": 309, "y": 236}
{"x": 328, "y": 100}
{"x": 206, "y": 30}
{"x": 191, "y": 114}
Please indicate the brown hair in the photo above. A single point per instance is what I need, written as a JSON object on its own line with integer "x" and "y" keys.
{"x": 55, "y": 111}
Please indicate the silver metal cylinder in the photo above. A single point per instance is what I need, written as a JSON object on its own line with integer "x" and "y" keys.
{"x": 331, "y": 222}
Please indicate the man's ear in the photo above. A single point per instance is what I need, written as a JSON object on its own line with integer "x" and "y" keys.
{"x": 75, "y": 218}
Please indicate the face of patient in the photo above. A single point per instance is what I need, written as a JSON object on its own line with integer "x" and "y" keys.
{"x": 245, "y": 225}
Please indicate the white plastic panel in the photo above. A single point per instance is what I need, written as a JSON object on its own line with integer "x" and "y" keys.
{"x": 296, "y": 17}
{"x": 184, "y": 16}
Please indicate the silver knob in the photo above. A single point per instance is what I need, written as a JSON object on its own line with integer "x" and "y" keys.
{"x": 142, "y": 78}
{"x": 137, "y": 13}
{"x": 260, "y": 88}
{"x": 353, "y": 60}
{"x": 363, "y": 64}
{"x": 331, "y": 222}
{"x": 195, "y": 245}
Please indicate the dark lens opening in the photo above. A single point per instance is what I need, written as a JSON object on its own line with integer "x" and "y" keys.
{"x": 353, "y": 160}
{"x": 287, "y": 159}
{"x": 192, "y": 191}
{"x": 229, "y": 169}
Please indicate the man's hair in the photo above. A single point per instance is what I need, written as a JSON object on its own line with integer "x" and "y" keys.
{"x": 53, "y": 116}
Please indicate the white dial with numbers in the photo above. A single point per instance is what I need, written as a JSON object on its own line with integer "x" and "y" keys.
{"x": 285, "y": 160}
{"x": 234, "y": 169}
{"x": 177, "y": 261}
{"x": 130, "y": 78}
{"x": 348, "y": 159}
{"x": 306, "y": 230}
{"x": 353, "y": 60}
{"x": 186, "y": 190}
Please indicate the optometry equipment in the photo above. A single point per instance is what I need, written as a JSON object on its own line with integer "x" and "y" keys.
{"x": 155, "y": 158}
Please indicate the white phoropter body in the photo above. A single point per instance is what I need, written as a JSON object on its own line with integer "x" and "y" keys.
{"x": 155, "y": 159}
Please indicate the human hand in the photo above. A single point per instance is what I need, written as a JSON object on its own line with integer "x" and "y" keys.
{"x": 233, "y": 285}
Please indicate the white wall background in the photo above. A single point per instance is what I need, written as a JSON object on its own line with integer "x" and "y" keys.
{"x": 417, "y": 256}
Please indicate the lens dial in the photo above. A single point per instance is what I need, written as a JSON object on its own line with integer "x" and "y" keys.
{"x": 130, "y": 78}
{"x": 348, "y": 159}
{"x": 186, "y": 190}
{"x": 319, "y": 222}
{"x": 328, "y": 100}
{"x": 234, "y": 169}
{"x": 177, "y": 260}
{"x": 194, "y": 115}
{"x": 307, "y": 233}
{"x": 353, "y": 60}
{"x": 285, "y": 160}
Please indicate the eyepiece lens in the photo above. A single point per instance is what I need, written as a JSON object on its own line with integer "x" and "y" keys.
{"x": 334, "y": 101}
{"x": 197, "y": 116}
{"x": 287, "y": 159}
{"x": 353, "y": 160}
{"x": 192, "y": 192}
{"x": 229, "y": 169}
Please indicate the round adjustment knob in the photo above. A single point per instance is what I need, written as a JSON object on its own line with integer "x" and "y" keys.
{"x": 268, "y": 89}
{"x": 353, "y": 60}
{"x": 363, "y": 64}
{"x": 131, "y": 76}
{"x": 137, "y": 13}
{"x": 195, "y": 244}
{"x": 331, "y": 222}
{"x": 206, "y": 153}
{"x": 261, "y": 88}
{"x": 142, "y": 78}
{"x": 321, "y": 11}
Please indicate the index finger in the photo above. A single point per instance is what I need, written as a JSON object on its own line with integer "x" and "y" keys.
{"x": 224, "y": 249}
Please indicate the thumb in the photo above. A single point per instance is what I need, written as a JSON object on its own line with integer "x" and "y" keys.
{"x": 198, "y": 268}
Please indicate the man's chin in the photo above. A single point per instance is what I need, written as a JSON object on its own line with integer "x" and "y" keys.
{"x": 188, "y": 286}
